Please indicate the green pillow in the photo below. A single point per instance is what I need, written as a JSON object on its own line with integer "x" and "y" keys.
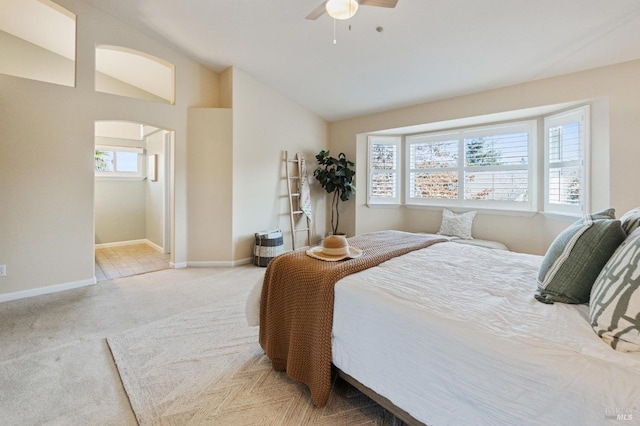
{"x": 614, "y": 310}
{"x": 576, "y": 257}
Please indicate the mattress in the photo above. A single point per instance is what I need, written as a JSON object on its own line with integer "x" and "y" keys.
{"x": 452, "y": 335}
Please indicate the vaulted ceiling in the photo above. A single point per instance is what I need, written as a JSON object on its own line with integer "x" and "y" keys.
{"x": 425, "y": 49}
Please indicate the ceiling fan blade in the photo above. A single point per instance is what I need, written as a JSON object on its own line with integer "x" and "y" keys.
{"x": 318, "y": 11}
{"x": 379, "y": 3}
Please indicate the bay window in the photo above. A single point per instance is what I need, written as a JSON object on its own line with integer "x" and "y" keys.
{"x": 492, "y": 167}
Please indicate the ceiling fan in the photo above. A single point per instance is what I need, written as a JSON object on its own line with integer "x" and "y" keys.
{"x": 345, "y": 9}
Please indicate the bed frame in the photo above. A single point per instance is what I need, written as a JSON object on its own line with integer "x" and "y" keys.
{"x": 379, "y": 399}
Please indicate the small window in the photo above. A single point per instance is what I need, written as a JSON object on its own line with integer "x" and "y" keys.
{"x": 118, "y": 161}
{"x": 384, "y": 173}
{"x": 566, "y": 162}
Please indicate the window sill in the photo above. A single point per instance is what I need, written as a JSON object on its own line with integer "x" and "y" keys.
{"x": 565, "y": 217}
{"x": 383, "y": 206}
{"x": 480, "y": 210}
{"x": 121, "y": 178}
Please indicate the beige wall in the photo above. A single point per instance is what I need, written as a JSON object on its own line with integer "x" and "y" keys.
{"x": 613, "y": 92}
{"x": 226, "y": 88}
{"x": 46, "y": 157}
{"x": 21, "y": 58}
{"x": 265, "y": 124}
{"x": 236, "y": 173}
{"x": 107, "y": 84}
{"x": 155, "y": 191}
{"x": 120, "y": 210}
{"x": 210, "y": 169}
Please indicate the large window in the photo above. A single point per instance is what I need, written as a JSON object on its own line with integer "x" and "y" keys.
{"x": 384, "y": 170}
{"x": 488, "y": 167}
{"x": 566, "y": 162}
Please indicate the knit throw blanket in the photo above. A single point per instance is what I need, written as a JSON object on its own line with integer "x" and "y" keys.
{"x": 296, "y": 308}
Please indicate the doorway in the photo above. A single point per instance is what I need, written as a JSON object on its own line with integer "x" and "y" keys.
{"x": 133, "y": 218}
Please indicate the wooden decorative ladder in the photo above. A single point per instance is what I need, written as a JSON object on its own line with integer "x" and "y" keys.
{"x": 294, "y": 181}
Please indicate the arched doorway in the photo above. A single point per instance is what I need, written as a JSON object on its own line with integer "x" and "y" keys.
{"x": 132, "y": 201}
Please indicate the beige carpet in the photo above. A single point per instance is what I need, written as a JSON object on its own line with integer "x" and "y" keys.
{"x": 205, "y": 366}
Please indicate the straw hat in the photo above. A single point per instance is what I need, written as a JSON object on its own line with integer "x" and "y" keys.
{"x": 334, "y": 248}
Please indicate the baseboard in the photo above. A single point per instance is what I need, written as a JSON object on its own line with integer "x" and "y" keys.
{"x": 131, "y": 243}
{"x": 46, "y": 290}
{"x": 210, "y": 264}
{"x": 220, "y": 264}
{"x": 122, "y": 243}
{"x": 154, "y": 246}
{"x": 178, "y": 265}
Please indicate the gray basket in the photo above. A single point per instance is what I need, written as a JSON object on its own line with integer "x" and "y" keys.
{"x": 269, "y": 244}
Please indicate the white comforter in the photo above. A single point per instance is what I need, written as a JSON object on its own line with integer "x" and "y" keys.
{"x": 453, "y": 335}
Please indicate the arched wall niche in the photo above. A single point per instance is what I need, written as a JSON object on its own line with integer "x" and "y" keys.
{"x": 131, "y": 73}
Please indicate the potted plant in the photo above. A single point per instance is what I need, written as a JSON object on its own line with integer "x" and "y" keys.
{"x": 335, "y": 176}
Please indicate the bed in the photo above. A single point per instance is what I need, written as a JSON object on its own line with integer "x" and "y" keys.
{"x": 451, "y": 334}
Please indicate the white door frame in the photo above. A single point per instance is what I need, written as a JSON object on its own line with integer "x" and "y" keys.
{"x": 167, "y": 198}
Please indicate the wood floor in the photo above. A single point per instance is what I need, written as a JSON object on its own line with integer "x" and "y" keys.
{"x": 129, "y": 260}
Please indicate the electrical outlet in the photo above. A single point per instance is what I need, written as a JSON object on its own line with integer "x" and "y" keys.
{"x": 3, "y": 270}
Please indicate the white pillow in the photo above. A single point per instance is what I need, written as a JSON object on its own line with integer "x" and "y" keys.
{"x": 457, "y": 224}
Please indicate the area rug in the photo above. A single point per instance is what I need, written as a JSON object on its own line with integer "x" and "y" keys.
{"x": 205, "y": 367}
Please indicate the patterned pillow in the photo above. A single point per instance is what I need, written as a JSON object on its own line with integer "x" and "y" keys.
{"x": 631, "y": 220}
{"x": 614, "y": 310}
{"x": 457, "y": 224}
{"x": 576, "y": 257}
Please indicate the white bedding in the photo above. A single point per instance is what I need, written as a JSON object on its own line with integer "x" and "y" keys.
{"x": 453, "y": 335}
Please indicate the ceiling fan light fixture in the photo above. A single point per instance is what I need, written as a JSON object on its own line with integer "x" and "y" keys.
{"x": 342, "y": 9}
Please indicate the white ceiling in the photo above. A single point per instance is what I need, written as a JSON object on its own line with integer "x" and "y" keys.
{"x": 429, "y": 49}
